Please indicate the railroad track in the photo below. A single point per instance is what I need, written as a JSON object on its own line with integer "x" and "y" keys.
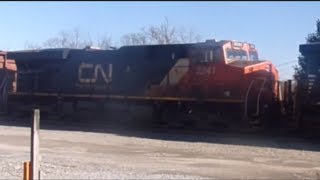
{"x": 124, "y": 124}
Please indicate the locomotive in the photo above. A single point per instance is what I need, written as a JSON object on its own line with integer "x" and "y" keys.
{"x": 214, "y": 75}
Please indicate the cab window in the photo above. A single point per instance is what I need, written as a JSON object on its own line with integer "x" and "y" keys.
{"x": 253, "y": 56}
{"x": 236, "y": 54}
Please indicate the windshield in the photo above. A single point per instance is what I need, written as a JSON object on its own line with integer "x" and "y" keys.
{"x": 235, "y": 54}
{"x": 253, "y": 56}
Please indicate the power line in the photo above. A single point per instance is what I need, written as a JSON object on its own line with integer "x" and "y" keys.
{"x": 289, "y": 62}
{"x": 285, "y": 75}
{"x": 285, "y": 68}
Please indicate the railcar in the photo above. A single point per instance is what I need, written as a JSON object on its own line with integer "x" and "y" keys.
{"x": 307, "y": 99}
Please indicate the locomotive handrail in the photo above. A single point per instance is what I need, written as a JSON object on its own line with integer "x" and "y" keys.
{"x": 259, "y": 95}
{"x": 3, "y": 82}
{"x": 246, "y": 99}
{"x": 280, "y": 92}
{"x": 4, "y": 94}
{"x": 165, "y": 98}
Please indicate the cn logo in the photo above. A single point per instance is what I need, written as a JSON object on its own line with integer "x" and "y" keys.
{"x": 97, "y": 72}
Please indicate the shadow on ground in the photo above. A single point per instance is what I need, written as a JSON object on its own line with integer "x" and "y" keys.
{"x": 135, "y": 121}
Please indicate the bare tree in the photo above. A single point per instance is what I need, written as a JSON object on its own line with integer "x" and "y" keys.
{"x": 160, "y": 34}
{"x": 31, "y": 46}
{"x": 71, "y": 39}
{"x": 164, "y": 33}
{"x": 187, "y": 36}
{"x": 135, "y": 39}
{"x": 65, "y": 40}
{"x": 104, "y": 42}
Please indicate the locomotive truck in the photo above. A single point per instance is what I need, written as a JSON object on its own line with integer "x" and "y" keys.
{"x": 212, "y": 76}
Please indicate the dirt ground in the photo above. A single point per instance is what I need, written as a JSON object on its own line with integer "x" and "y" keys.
{"x": 155, "y": 153}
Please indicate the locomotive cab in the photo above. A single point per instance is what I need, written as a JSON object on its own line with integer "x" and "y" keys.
{"x": 230, "y": 72}
{"x": 224, "y": 69}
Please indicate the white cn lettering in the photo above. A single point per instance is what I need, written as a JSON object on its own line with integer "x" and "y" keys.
{"x": 97, "y": 70}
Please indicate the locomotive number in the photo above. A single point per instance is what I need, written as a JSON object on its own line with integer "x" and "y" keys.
{"x": 96, "y": 71}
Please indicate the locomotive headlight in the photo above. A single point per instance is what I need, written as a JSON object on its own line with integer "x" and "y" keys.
{"x": 227, "y": 93}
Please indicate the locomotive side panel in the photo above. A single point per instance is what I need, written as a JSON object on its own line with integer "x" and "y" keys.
{"x": 127, "y": 71}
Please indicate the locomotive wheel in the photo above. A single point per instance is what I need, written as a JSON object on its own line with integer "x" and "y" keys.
{"x": 167, "y": 115}
{"x": 309, "y": 122}
{"x": 4, "y": 101}
{"x": 100, "y": 106}
{"x": 263, "y": 121}
{"x": 60, "y": 108}
{"x": 265, "y": 117}
{"x": 75, "y": 106}
{"x": 158, "y": 113}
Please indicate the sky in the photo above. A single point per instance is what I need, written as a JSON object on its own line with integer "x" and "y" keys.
{"x": 276, "y": 28}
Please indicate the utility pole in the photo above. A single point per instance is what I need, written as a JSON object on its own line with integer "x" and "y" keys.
{"x": 32, "y": 169}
